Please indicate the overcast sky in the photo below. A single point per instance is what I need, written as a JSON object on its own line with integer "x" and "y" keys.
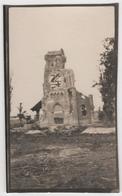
{"x": 33, "y": 32}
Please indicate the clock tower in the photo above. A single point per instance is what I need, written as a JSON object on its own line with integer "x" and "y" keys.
{"x": 59, "y": 103}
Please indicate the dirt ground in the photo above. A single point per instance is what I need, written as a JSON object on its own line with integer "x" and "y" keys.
{"x": 63, "y": 162}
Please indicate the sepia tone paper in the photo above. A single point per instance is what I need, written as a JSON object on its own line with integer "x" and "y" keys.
{"x": 61, "y": 81}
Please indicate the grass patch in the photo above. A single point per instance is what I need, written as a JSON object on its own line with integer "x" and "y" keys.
{"x": 61, "y": 161}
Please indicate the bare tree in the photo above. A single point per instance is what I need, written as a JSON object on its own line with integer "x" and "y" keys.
{"x": 21, "y": 113}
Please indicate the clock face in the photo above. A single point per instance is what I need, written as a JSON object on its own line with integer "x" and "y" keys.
{"x": 56, "y": 80}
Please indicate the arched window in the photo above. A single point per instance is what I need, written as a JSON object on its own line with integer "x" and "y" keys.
{"x": 58, "y": 108}
{"x": 84, "y": 110}
{"x": 58, "y": 114}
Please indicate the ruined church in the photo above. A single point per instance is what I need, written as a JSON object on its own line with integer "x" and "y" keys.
{"x": 62, "y": 104}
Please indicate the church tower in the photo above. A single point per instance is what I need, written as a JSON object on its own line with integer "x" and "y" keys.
{"x": 59, "y": 103}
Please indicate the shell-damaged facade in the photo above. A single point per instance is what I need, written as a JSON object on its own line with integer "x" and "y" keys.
{"x": 62, "y": 104}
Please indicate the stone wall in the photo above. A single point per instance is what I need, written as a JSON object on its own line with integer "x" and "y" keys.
{"x": 85, "y": 109}
{"x": 61, "y": 103}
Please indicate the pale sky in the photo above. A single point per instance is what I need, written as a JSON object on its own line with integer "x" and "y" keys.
{"x": 33, "y": 32}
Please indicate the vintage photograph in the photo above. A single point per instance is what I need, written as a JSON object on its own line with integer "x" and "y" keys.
{"x": 61, "y": 98}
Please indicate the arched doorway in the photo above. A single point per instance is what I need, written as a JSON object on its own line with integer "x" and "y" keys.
{"x": 58, "y": 114}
